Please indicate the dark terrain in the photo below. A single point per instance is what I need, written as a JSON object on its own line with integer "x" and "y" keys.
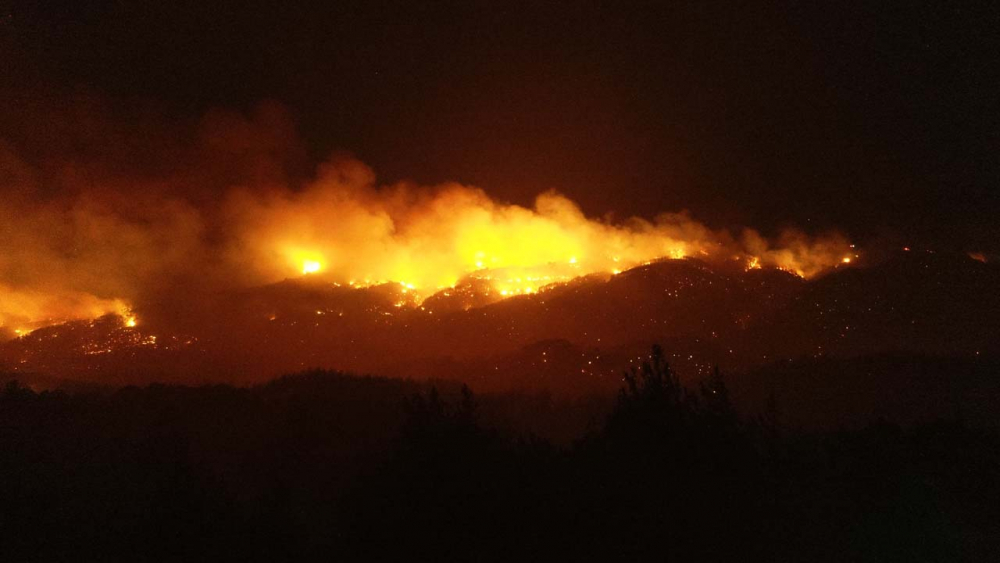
{"x": 324, "y": 466}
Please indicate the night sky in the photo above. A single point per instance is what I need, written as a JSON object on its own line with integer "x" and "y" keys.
{"x": 877, "y": 119}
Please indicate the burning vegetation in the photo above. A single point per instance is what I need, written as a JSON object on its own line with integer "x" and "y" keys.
{"x": 207, "y": 254}
{"x": 83, "y": 237}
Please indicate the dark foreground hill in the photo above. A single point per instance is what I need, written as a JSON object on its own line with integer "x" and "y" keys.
{"x": 322, "y": 466}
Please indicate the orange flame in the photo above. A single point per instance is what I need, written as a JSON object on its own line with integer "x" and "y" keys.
{"x": 91, "y": 255}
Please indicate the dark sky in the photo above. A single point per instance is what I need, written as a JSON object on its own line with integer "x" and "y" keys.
{"x": 870, "y": 117}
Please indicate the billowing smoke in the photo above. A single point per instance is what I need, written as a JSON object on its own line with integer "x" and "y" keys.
{"x": 344, "y": 226}
{"x": 103, "y": 212}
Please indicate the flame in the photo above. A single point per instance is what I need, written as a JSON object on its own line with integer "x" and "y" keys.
{"x": 23, "y": 310}
{"x": 432, "y": 238}
{"x": 343, "y": 228}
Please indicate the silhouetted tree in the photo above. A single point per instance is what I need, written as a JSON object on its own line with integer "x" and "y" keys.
{"x": 321, "y": 466}
{"x": 671, "y": 471}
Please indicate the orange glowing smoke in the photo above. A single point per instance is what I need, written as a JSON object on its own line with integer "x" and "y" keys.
{"x": 103, "y": 245}
{"x": 353, "y": 232}
{"x": 24, "y": 310}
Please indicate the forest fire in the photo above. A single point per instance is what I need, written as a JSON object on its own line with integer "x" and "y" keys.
{"x": 640, "y": 281}
{"x": 428, "y": 239}
{"x": 84, "y": 256}
{"x": 311, "y": 267}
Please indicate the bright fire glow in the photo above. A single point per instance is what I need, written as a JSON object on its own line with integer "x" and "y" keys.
{"x": 346, "y": 229}
{"x": 432, "y": 238}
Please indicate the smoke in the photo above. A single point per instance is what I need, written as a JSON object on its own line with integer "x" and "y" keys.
{"x": 102, "y": 212}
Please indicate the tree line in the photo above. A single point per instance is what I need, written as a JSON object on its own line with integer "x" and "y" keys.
{"x": 324, "y": 466}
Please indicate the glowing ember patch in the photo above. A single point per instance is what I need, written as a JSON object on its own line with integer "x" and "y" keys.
{"x": 130, "y": 322}
{"x": 846, "y": 260}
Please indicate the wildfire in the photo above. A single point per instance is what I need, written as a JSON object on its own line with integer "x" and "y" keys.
{"x": 345, "y": 229}
{"x": 24, "y": 310}
{"x": 431, "y": 239}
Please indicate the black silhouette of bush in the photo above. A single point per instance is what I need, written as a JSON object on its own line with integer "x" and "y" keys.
{"x": 322, "y": 466}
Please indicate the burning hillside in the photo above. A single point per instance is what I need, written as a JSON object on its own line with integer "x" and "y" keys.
{"x": 571, "y": 337}
{"x": 207, "y": 254}
{"x": 82, "y": 255}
